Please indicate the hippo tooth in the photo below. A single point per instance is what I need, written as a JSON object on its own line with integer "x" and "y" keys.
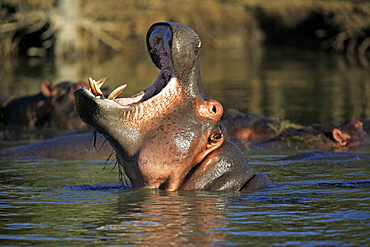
{"x": 101, "y": 81}
{"x": 95, "y": 89}
{"x": 116, "y": 92}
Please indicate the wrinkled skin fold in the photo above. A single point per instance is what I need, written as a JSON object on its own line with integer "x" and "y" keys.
{"x": 168, "y": 136}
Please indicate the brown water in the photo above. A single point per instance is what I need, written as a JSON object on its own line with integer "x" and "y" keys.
{"x": 312, "y": 203}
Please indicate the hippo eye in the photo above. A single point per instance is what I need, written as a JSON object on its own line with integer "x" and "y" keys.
{"x": 197, "y": 50}
{"x": 215, "y": 137}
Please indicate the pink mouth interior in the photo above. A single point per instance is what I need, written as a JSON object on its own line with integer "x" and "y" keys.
{"x": 159, "y": 41}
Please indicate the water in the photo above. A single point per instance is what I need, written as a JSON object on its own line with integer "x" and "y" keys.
{"x": 305, "y": 87}
{"x": 54, "y": 203}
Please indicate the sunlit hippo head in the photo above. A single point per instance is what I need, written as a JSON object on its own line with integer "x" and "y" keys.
{"x": 167, "y": 136}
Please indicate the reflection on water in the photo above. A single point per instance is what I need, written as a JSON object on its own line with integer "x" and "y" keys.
{"x": 169, "y": 217}
{"x": 78, "y": 203}
{"x": 305, "y": 87}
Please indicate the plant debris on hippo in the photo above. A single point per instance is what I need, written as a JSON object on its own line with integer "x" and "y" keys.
{"x": 257, "y": 132}
{"x": 168, "y": 136}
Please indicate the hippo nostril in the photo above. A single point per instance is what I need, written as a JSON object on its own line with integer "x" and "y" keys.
{"x": 214, "y": 109}
{"x": 210, "y": 110}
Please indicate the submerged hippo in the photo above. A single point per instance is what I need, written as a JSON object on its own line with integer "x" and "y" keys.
{"x": 53, "y": 107}
{"x": 168, "y": 136}
{"x": 253, "y": 128}
{"x": 349, "y": 134}
{"x": 260, "y": 132}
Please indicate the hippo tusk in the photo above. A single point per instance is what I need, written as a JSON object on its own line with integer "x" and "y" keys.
{"x": 96, "y": 85}
{"x": 101, "y": 81}
{"x": 95, "y": 88}
{"x": 116, "y": 92}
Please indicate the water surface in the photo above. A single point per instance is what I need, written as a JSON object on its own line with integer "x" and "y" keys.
{"x": 314, "y": 202}
{"x": 79, "y": 203}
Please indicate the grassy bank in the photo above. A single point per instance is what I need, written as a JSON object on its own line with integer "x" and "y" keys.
{"x": 120, "y": 26}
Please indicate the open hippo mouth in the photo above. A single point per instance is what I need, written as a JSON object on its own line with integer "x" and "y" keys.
{"x": 168, "y": 136}
{"x": 162, "y": 132}
{"x": 159, "y": 43}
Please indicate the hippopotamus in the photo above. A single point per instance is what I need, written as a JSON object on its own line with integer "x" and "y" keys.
{"x": 168, "y": 136}
{"x": 253, "y": 128}
{"x": 255, "y": 131}
{"x": 348, "y": 134}
{"x": 53, "y": 106}
{"x": 76, "y": 146}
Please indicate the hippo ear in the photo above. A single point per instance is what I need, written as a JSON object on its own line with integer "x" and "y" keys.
{"x": 210, "y": 110}
{"x": 341, "y": 138}
{"x": 47, "y": 89}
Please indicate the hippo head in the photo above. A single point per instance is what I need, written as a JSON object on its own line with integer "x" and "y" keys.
{"x": 164, "y": 133}
{"x": 350, "y": 133}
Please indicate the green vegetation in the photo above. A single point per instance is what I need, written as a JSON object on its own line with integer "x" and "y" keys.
{"x": 282, "y": 126}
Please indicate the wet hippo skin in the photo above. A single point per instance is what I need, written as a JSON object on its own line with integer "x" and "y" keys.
{"x": 168, "y": 136}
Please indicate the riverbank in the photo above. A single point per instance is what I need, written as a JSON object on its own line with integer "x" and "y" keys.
{"x": 101, "y": 27}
